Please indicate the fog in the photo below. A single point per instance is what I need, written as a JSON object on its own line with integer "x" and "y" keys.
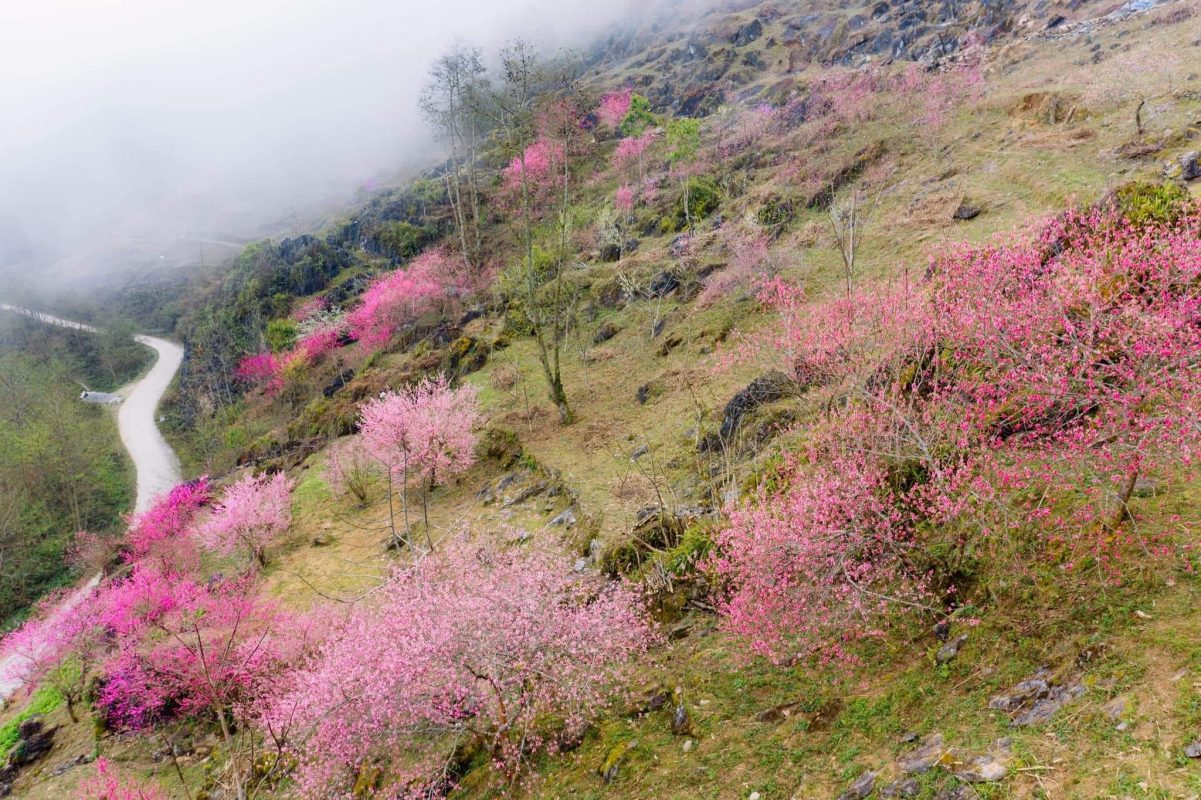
{"x": 135, "y": 130}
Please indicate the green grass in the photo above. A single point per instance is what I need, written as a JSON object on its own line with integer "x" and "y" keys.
{"x": 44, "y": 700}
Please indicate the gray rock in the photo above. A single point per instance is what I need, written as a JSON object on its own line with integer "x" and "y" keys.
{"x": 1114, "y": 709}
{"x": 966, "y": 211}
{"x": 1035, "y": 700}
{"x": 639, "y": 452}
{"x": 983, "y": 769}
{"x": 581, "y": 564}
{"x": 747, "y": 33}
{"x": 861, "y": 788}
{"x": 1145, "y": 487}
{"x": 1193, "y": 750}
{"x": 951, "y": 649}
{"x": 1190, "y": 166}
{"x": 565, "y": 518}
{"x": 681, "y": 720}
{"x": 901, "y": 787}
{"x": 924, "y": 756}
{"x": 605, "y": 332}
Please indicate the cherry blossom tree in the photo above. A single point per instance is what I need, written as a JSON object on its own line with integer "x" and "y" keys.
{"x": 214, "y": 649}
{"x": 614, "y": 106}
{"x": 423, "y": 434}
{"x": 163, "y": 533}
{"x": 1017, "y": 394}
{"x": 107, "y": 784}
{"x": 250, "y": 514}
{"x": 510, "y": 649}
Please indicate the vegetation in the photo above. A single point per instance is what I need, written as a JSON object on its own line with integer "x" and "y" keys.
{"x": 827, "y": 484}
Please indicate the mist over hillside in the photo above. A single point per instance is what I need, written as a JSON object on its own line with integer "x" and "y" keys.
{"x": 141, "y": 134}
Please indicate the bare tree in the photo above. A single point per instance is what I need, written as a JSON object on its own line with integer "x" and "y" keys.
{"x": 447, "y": 102}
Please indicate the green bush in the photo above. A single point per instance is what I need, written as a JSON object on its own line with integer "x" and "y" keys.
{"x": 44, "y": 700}
{"x": 1145, "y": 203}
{"x": 638, "y": 118}
{"x": 281, "y": 335}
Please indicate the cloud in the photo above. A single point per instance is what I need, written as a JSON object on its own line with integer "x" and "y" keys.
{"x": 131, "y": 125}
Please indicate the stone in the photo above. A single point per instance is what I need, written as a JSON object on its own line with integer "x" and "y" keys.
{"x": 778, "y": 713}
{"x": 1036, "y": 699}
{"x": 663, "y": 284}
{"x": 1193, "y": 750}
{"x": 901, "y": 787}
{"x": 924, "y": 756}
{"x": 942, "y": 630}
{"x": 747, "y": 33}
{"x": 1145, "y": 487}
{"x": 565, "y": 518}
{"x": 1190, "y": 166}
{"x": 681, "y": 720}
{"x": 605, "y": 332}
{"x": 767, "y": 388}
{"x": 861, "y": 788}
{"x": 966, "y": 211}
{"x": 754, "y": 796}
{"x": 581, "y": 564}
{"x": 951, "y": 649}
{"x": 1114, "y": 709}
{"x": 983, "y": 769}
{"x": 688, "y": 745}
{"x": 639, "y": 452}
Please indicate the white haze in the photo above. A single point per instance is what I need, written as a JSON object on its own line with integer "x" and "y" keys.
{"x": 135, "y": 127}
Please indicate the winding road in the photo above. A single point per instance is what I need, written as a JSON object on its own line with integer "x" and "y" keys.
{"x": 155, "y": 462}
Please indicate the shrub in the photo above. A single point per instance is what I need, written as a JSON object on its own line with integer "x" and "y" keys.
{"x": 1152, "y": 203}
{"x": 280, "y": 334}
{"x": 510, "y": 649}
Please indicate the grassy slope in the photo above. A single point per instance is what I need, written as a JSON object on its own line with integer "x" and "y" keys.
{"x": 1015, "y": 166}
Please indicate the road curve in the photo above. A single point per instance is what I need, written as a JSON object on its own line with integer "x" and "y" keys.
{"x": 156, "y": 463}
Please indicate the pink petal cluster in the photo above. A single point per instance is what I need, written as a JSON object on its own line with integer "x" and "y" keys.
{"x": 538, "y": 165}
{"x": 633, "y": 148}
{"x": 625, "y": 198}
{"x": 107, "y": 784}
{"x": 424, "y": 432}
{"x": 1016, "y": 394}
{"x": 396, "y": 298}
{"x": 259, "y": 368}
{"x": 164, "y": 531}
{"x": 510, "y": 648}
{"x": 250, "y": 514}
{"x": 614, "y": 106}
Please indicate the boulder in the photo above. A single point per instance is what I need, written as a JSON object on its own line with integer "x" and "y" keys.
{"x": 966, "y": 211}
{"x": 1190, "y": 166}
{"x": 861, "y": 788}
{"x": 747, "y": 33}
{"x": 951, "y": 649}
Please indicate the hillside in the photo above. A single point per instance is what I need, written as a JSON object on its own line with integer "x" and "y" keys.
{"x": 843, "y": 360}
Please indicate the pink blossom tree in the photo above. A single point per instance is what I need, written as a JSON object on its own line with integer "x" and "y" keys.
{"x": 217, "y": 650}
{"x": 396, "y": 298}
{"x": 58, "y": 646}
{"x": 472, "y": 643}
{"x": 163, "y": 533}
{"x": 250, "y": 514}
{"x": 107, "y": 784}
{"x": 614, "y": 106}
{"x": 1016, "y": 395}
{"x": 422, "y": 434}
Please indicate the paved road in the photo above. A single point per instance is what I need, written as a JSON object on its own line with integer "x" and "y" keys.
{"x": 156, "y": 463}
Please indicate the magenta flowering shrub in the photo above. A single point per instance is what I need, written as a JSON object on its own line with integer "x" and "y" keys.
{"x": 396, "y": 298}
{"x": 1018, "y": 393}
{"x": 212, "y": 647}
{"x": 163, "y": 533}
{"x": 511, "y": 648}
{"x": 107, "y": 784}
{"x": 260, "y": 369}
{"x": 538, "y": 166}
